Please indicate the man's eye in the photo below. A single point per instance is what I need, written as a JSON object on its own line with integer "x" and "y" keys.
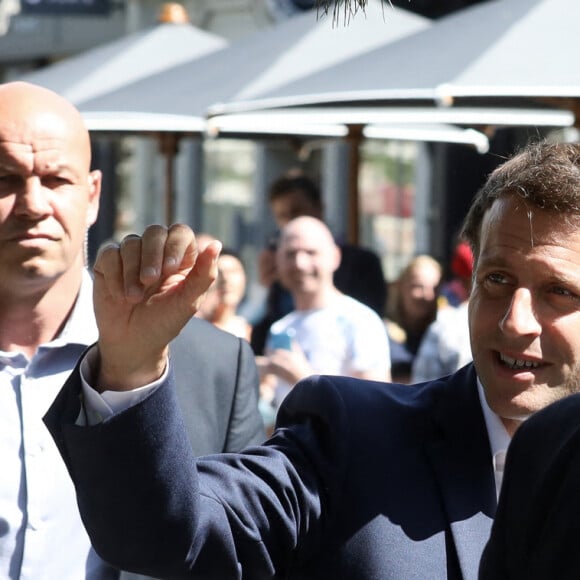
{"x": 54, "y": 180}
{"x": 560, "y": 291}
{"x": 9, "y": 182}
{"x": 496, "y": 278}
{"x": 563, "y": 299}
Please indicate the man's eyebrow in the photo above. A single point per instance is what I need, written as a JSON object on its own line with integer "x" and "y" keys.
{"x": 492, "y": 259}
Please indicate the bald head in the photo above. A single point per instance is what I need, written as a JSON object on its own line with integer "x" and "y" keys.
{"x": 307, "y": 259}
{"x": 37, "y": 98}
{"x": 26, "y": 109}
{"x": 310, "y": 228}
{"x": 47, "y": 192}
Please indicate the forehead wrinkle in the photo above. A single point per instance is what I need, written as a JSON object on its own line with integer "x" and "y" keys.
{"x": 7, "y": 145}
{"x": 49, "y": 150}
{"x": 15, "y": 155}
{"x": 46, "y": 132}
{"x": 562, "y": 225}
{"x": 550, "y": 248}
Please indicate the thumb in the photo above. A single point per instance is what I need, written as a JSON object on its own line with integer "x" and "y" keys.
{"x": 202, "y": 275}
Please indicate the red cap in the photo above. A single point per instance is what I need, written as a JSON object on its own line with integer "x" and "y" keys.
{"x": 462, "y": 260}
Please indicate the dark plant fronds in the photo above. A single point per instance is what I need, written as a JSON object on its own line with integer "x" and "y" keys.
{"x": 342, "y": 10}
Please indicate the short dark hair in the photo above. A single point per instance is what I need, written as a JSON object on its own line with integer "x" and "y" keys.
{"x": 546, "y": 175}
{"x": 227, "y": 251}
{"x": 296, "y": 183}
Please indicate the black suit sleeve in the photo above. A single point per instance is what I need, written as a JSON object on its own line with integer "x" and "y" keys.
{"x": 537, "y": 526}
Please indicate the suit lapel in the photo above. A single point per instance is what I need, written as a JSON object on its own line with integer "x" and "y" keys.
{"x": 461, "y": 460}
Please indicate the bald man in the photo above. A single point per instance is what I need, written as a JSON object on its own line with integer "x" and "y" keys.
{"x": 49, "y": 197}
{"x": 331, "y": 333}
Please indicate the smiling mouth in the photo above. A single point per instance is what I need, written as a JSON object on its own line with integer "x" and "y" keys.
{"x": 518, "y": 364}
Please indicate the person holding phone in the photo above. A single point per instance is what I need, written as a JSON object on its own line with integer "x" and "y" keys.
{"x": 327, "y": 332}
{"x": 359, "y": 273}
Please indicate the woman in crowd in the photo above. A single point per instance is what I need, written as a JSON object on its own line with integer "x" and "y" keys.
{"x": 411, "y": 308}
{"x": 225, "y": 296}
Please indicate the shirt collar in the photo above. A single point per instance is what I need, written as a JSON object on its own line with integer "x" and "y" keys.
{"x": 81, "y": 326}
{"x": 499, "y": 438}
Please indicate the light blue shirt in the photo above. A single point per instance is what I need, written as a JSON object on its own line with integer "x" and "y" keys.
{"x": 41, "y": 533}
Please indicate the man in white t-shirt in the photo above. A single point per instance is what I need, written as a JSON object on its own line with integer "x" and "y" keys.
{"x": 328, "y": 332}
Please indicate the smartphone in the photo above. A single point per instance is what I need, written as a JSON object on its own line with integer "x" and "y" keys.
{"x": 281, "y": 340}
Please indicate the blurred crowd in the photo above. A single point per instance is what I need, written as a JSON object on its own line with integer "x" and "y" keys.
{"x": 330, "y": 310}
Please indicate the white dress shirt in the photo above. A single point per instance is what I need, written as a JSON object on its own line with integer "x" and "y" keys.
{"x": 499, "y": 438}
{"x": 41, "y": 534}
{"x": 100, "y": 406}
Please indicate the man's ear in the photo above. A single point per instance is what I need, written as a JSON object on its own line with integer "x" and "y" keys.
{"x": 336, "y": 258}
{"x": 95, "y": 179}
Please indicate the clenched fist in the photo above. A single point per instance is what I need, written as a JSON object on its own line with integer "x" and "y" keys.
{"x": 146, "y": 289}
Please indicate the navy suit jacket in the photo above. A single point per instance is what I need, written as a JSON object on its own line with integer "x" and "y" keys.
{"x": 360, "y": 480}
{"x": 535, "y": 535}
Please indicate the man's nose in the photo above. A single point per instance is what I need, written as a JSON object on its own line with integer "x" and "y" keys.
{"x": 32, "y": 200}
{"x": 520, "y": 318}
{"x": 429, "y": 293}
{"x": 423, "y": 293}
{"x": 301, "y": 260}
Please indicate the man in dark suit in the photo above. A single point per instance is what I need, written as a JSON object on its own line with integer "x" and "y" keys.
{"x": 360, "y": 479}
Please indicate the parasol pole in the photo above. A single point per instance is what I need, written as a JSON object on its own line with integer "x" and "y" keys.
{"x": 353, "y": 139}
{"x": 169, "y": 146}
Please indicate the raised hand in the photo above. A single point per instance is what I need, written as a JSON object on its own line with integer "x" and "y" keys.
{"x": 146, "y": 289}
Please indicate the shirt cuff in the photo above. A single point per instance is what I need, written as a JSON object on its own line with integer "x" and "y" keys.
{"x": 97, "y": 407}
